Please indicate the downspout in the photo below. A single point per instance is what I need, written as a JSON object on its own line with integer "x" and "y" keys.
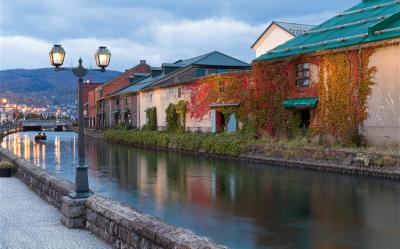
{"x": 138, "y": 110}
{"x": 109, "y": 124}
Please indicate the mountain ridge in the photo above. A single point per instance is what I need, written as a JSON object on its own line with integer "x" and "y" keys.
{"x": 37, "y": 86}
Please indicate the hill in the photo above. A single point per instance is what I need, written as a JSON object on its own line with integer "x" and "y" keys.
{"x": 45, "y": 86}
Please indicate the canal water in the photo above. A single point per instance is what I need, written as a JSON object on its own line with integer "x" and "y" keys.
{"x": 241, "y": 205}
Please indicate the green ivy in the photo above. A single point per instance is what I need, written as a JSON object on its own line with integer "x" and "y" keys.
{"x": 172, "y": 118}
{"x": 176, "y": 116}
{"x": 181, "y": 108}
{"x": 294, "y": 128}
{"x": 151, "y": 116}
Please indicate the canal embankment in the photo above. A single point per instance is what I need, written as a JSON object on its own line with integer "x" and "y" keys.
{"x": 120, "y": 225}
{"x": 8, "y": 130}
{"x": 364, "y": 162}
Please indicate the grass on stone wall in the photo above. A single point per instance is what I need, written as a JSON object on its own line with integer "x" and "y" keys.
{"x": 236, "y": 144}
{"x": 222, "y": 144}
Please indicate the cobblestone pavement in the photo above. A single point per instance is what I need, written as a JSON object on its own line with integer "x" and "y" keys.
{"x": 26, "y": 221}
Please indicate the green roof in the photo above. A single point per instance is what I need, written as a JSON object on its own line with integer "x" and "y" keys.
{"x": 306, "y": 102}
{"x": 369, "y": 21}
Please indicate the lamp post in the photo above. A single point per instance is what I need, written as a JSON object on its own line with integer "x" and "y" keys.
{"x": 102, "y": 57}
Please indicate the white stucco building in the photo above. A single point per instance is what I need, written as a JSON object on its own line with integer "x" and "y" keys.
{"x": 277, "y": 33}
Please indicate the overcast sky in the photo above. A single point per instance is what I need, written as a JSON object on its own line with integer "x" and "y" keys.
{"x": 155, "y": 30}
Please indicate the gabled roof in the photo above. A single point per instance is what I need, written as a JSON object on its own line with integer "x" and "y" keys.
{"x": 210, "y": 59}
{"x": 138, "y": 85}
{"x": 214, "y": 58}
{"x": 219, "y": 59}
{"x": 368, "y": 21}
{"x": 294, "y": 29}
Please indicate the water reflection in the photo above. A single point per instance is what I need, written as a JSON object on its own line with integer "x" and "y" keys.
{"x": 239, "y": 205}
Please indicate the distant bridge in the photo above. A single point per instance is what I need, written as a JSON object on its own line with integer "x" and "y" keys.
{"x": 37, "y": 125}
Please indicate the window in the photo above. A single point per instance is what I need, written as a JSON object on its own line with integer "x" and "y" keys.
{"x": 222, "y": 70}
{"x": 303, "y": 75}
{"x": 211, "y": 71}
{"x": 179, "y": 92}
{"x": 151, "y": 97}
{"x": 222, "y": 87}
{"x": 126, "y": 101}
{"x": 117, "y": 102}
{"x": 200, "y": 72}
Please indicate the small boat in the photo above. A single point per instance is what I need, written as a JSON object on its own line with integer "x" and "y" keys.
{"x": 40, "y": 136}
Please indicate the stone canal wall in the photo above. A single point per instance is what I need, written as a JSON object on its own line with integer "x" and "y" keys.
{"x": 121, "y": 226}
{"x": 128, "y": 228}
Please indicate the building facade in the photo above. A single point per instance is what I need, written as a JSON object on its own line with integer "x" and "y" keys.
{"x": 103, "y": 107}
{"x": 176, "y": 86}
{"x": 346, "y": 73}
{"x": 277, "y": 33}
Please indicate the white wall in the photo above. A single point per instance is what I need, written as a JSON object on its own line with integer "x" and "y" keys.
{"x": 383, "y": 124}
{"x": 161, "y": 98}
{"x": 274, "y": 37}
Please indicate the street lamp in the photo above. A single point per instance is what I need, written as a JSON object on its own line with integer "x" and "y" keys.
{"x": 57, "y": 55}
{"x": 102, "y": 56}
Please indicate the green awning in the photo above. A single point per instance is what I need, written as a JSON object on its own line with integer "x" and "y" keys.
{"x": 306, "y": 102}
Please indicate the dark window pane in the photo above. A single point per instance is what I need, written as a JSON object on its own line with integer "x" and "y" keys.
{"x": 200, "y": 72}
{"x": 222, "y": 70}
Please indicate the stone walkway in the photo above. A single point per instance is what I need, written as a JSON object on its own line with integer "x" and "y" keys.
{"x": 26, "y": 221}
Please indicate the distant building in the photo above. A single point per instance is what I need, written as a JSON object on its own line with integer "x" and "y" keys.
{"x": 96, "y": 101}
{"x": 86, "y": 88}
{"x": 276, "y": 34}
{"x": 164, "y": 86}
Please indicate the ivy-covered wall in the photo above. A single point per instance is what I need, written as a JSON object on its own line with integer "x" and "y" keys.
{"x": 342, "y": 81}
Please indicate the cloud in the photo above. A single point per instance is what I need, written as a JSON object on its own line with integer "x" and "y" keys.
{"x": 155, "y": 30}
{"x": 23, "y": 52}
{"x": 166, "y": 42}
{"x": 313, "y": 19}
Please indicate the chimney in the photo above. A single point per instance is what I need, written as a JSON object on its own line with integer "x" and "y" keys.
{"x": 143, "y": 62}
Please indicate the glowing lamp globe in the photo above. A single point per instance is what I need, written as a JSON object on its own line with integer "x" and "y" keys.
{"x": 57, "y": 55}
{"x": 102, "y": 57}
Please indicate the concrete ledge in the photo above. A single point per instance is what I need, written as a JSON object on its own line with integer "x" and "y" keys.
{"x": 125, "y": 227}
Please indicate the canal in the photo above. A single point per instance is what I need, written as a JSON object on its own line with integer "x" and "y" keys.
{"x": 238, "y": 204}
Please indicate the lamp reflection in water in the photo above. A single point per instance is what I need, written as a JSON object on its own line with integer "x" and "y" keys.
{"x": 27, "y": 148}
{"x": 17, "y": 145}
{"x": 161, "y": 184}
{"x": 36, "y": 154}
{"x": 57, "y": 152}
{"x": 44, "y": 156}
